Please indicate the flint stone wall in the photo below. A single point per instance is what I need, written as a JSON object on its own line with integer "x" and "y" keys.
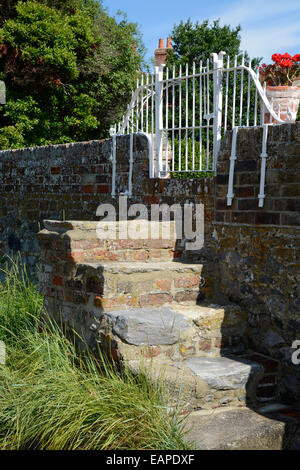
{"x": 68, "y": 182}
{"x": 258, "y": 249}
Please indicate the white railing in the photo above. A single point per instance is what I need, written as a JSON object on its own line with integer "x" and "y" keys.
{"x": 185, "y": 112}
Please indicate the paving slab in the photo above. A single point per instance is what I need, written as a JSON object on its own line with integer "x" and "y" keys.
{"x": 238, "y": 429}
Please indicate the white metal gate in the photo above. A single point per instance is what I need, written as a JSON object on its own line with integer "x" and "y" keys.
{"x": 184, "y": 113}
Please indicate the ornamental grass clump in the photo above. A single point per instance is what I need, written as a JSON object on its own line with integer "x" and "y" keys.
{"x": 283, "y": 72}
{"x": 52, "y": 398}
{"x": 20, "y": 303}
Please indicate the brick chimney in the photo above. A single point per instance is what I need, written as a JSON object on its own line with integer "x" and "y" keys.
{"x": 160, "y": 54}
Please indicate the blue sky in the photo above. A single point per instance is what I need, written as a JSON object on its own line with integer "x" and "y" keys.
{"x": 267, "y": 26}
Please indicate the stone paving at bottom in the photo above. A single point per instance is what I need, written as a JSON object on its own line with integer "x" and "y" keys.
{"x": 240, "y": 429}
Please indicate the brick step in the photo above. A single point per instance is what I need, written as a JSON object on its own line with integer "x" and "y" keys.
{"x": 79, "y": 242}
{"x": 115, "y": 285}
{"x": 145, "y": 254}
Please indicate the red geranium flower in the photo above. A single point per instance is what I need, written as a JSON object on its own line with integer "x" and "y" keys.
{"x": 287, "y": 56}
{"x": 286, "y": 63}
{"x": 284, "y": 70}
{"x": 276, "y": 57}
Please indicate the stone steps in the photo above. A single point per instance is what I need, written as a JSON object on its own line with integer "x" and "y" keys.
{"x": 142, "y": 304}
{"x": 183, "y": 346}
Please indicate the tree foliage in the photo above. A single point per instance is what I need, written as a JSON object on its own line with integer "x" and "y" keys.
{"x": 68, "y": 67}
{"x": 193, "y": 42}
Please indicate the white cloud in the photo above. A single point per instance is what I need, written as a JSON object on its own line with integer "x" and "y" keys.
{"x": 264, "y": 41}
{"x": 259, "y": 11}
{"x": 267, "y": 27}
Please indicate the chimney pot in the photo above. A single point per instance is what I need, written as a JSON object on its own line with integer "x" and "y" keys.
{"x": 160, "y": 43}
{"x": 160, "y": 54}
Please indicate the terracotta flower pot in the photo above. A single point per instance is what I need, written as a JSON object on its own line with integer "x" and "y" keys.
{"x": 285, "y": 97}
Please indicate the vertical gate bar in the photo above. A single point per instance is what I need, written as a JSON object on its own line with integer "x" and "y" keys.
{"x": 200, "y": 113}
{"x": 186, "y": 115}
{"x": 173, "y": 118}
{"x": 142, "y": 104}
{"x": 152, "y": 123}
{"x": 193, "y": 119}
{"x": 255, "y": 103}
{"x": 179, "y": 159}
{"x": 158, "y": 116}
{"x": 248, "y": 95}
{"x": 137, "y": 107}
{"x": 152, "y": 105}
{"x": 226, "y": 94}
{"x": 234, "y": 91}
{"x": 242, "y": 89}
{"x": 207, "y": 113}
{"x": 167, "y": 119}
{"x": 147, "y": 102}
{"x": 218, "y": 103}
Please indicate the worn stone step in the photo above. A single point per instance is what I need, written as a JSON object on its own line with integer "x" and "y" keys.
{"x": 211, "y": 327}
{"x": 168, "y": 331}
{"x": 151, "y": 226}
{"x": 226, "y": 373}
{"x": 239, "y": 429}
{"x": 202, "y": 382}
